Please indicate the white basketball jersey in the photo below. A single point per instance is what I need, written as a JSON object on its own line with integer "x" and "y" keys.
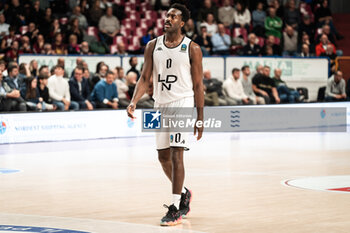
{"x": 172, "y": 78}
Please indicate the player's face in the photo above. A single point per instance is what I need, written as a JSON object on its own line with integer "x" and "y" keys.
{"x": 173, "y": 20}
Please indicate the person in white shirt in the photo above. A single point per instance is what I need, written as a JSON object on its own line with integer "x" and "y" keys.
{"x": 4, "y": 27}
{"x": 242, "y": 16}
{"x": 234, "y": 91}
{"x": 59, "y": 91}
{"x": 211, "y": 25}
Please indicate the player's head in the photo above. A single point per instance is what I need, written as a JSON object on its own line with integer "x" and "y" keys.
{"x": 176, "y": 17}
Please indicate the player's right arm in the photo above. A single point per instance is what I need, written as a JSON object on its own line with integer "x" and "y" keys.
{"x": 144, "y": 81}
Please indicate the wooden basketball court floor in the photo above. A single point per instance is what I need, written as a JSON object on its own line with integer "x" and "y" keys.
{"x": 117, "y": 185}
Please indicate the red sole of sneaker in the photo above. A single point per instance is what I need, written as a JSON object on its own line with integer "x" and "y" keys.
{"x": 169, "y": 224}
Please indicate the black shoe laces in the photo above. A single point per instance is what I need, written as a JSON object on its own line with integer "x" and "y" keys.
{"x": 171, "y": 210}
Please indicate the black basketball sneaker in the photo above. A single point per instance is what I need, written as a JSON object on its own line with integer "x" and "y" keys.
{"x": 186, "y": 199}
{"x": 172, "y": 217}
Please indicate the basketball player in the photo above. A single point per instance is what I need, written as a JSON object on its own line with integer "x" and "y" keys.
{"x": 175, "y": 63}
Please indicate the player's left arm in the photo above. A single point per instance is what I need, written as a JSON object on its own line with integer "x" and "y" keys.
{"x": 197, "y": 79}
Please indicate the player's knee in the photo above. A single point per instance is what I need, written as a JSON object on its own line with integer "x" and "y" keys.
{"x": 164, "y": 156}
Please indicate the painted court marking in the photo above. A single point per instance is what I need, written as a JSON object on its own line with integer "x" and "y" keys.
{"x": 322, "y": 183}
{"x": 8, "y": 171}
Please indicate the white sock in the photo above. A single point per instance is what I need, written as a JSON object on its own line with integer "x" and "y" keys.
{"x": 183, "y": 189}
{"x": 176, "y": 200}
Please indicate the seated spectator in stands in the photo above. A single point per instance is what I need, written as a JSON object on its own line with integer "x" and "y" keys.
{"x": 322, "y": 46}
{"x": 265, "y": 87}
{"x": 133, "y": 63}
{"x": 305, "y": 51}
{"x": 273, "y": 24}
{"x": 233, "y": 90}
{"x": 221, "y": 41}
{"x": 331, "y": 55}
{"x": 121, "y": 49}
{"x": 59, "y": 90}
{"x": 95, "y": 13}
{"x": 23, "y": 72}
{"x": 109, "y": 26}
{"x": 190, "y": 29}
{"x": 291, "y": 14}
{"x": 55, "y": 28}
{"x": 48, "y": 49}
{"x": 308, "y": 27}
{"x": 80, "y": 90}
{"x": 12, "y": 53}
{"x": 58, "y": 46}
{"x": 25, "y": 47}
{"x": 73, "y": 46}
{"x": 246, "y": 81}
{"x": 105, "y": 93}
{"x": 32, "y": 32}
{"x": 44, "y": 92}
{"x": 323, "y": 15}
{"x": 276, "y": 4}
{"x": 204, "y": 41}
{"x": 242, "y": 16}
{"x": 270, "y": 42}
{"x": 326, "y": 30}
{"x": 14, "y": 80}
{"x": 148, "y": 37}
{"x": 226, "y": 14}
{"x": 101, "y": 72}
{"x": 210, "y": 24}
{"x": 122, "y": 87}
{"x": 252, "y": 49}
{"x": 38, "y": 46}
{"x": 81, "y": 18}
{"x": 306, "y": 40}
{"x": 61, "y": 62}
{"x": 258, "y": 18}
{"x": 7, "y": 40}
{"x": 207, "y": 8}
{"x": 44, "y": 71}
{"x": 4, "y": 27}
{"x": 335, "y": 90}
{"x": 31, "y": 95}
{"x": 213, "y": 90}
{"x": 10, "y": 98}
{"x": 145, "y": 101}
{"x": 84, "y": 48}
{"x": 74, "y": 29}
{"x": 47, "y": 20}
{"x": 290, "y": 42}
{"x": 286, "y": 94}
{"x": 36, "y": 14}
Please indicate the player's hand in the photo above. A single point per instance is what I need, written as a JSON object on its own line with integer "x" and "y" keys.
{"x": 198, "y": 129}
{"x": 130, "y": 110}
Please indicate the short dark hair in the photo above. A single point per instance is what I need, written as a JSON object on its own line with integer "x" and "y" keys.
{"x": 59, "y": 66}
{"x": 79, "y": 68}
{"x": 234, "y": 70}
{"x": 42, "y": 67}
{"x": 266, "y": 66}
{"x": 11, "y": 67}
{"x": 244, "y": 67}
{"x": 185, "y": 13}
{"x": 42, "y": 76}
{"x": 109, "y": 72}
{"x": 130, "y": 60}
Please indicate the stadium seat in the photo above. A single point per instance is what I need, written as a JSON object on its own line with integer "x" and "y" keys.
{"x": 152, "y": 15}
{"x": 119, "y": 39}
{"x": 114, "y": 49}
{"x": 145, "y": 7}
{"x": 260, "y": 41}
{"x": 242, "y": 32}
{"x": 145, "y": 23}
{"x": 125, "y": 31}
{"x": 140, "y": 32}
{"x": 160, "y": 23}
{"x": 134, "y": 43}
{"x": 119, "y": 2}
{"x": 158, "y": 31}
{"x": 92, "y": 31}
{"x": 23, "y": 29}
{"x": 130, "y": 6}
{"x": 133, "y": 15}
{"x": 129, "y": 23}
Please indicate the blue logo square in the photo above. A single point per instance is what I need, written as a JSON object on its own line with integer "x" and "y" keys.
{"x": 152, "y": 119}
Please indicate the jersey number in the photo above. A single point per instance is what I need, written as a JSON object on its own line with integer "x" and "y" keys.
{"x": 166, "y": 83}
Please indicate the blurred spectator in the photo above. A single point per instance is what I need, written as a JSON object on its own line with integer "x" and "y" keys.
{"x": 305, "y": 40}
{"x": 84, "y": 48}
{"x": 322, "y": 46}
{"x": 58, "y": 46}
{"x": 13, "y": 79}
{"x": 278, "y": 8}
{"x": 270, "y": 42}
{"x": 8, "y": 39}
{"x": 15, "y": 14}
{"x": 248, "y": 88}
{"x": 34, "y": 68}
{"x": 30, "y": 94}
{"x": 190, "y": 30}
{"x": 221, "y": 41}
{"x": 73, "y": 46}
{"x": 306, "y": 26}
{"x": 36, "y": 14}
{"x": 23, "y": 72}
{"x": 44, "y": 71}
{"x": 81, "y": 18}
{"x": 25, "y": 48}
{"x": 121, "y": 48}
{"x": 47, "y": 20}
{"x": 79, "y": 89}
{"x": 291, "y": 14}
{"x": 264, "y": 86}
{"x": 149, "y": 36}
{"x": 55, "y": 28}
{"x": 252, "y": 49}
{"x": 74, "y": 28}
{"x": 32, "y": 33}
{"x": 258, "y": 18}
{"x": 84, "y": 7}
{"x": 242, "y": 16}
{"x": 233, "y": 90}
{"x": 286, "y": 94}
{"x": 101, "y": 72}
{"x": 105, "y": 93}
{"x": 323, "y": 15}
{"x": 133, "y": 63}
{"x": 95, "y": 13}
{"x": 204, "y": 41}
{"x": 331, "y": 55}
{"x": 59, "y": 90}
{"x": 226, "y": 14}
{"x": 122, "y": 87}
{"x": 145, "y": 101}
{"x": 305, "y": 51}
{"x": 213, "y": 90}
{"x": 273, "y": 24}
{"x": 48, "y": 49}
{"x": 12, "y": 53}
{"x": 210, "y": 24}
{"x": 327, "y": 31}
{"x": 61, "y": 62}
{"x": 4, "y": 27}
{"x": 44, "y": 92}
{"x": 10, "y": 98}
{"x": 335, "y": 90}
{"x": 290, "y": 42}
{"x": 207, "y": 8}
{"x": 109, "y": 26}
{"x": 38, "y": 46}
